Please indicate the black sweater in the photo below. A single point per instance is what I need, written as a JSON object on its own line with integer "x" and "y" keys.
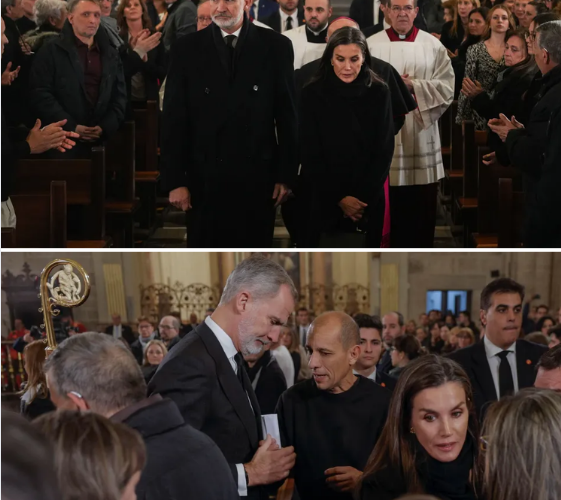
{"x": 330, "y": 430}
{"x": 14, "y": 147}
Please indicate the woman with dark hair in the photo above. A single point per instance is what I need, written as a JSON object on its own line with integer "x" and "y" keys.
{"x": 436, "y": 342}
{"x": 144, "y": 71}
{"x": 484, "y": 62}
{"x": 404, "y": 350}
{"x": 455, "y": 32}
{"x": 544, "y": 324}
{"x": 35, "y": 401}
{"x": 512, "y": 84}
{"x": 347, "y": 142}
{"x": 477, "y": 27}
{"x": 430, "y": 441}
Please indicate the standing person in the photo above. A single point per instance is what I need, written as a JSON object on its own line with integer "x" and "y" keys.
{"x": 417, "y": 160}
{"x": 430, "y": 443}
{"x": 145, "y": 335}
{"x": 333, "y": 420}
{"x": 206, "y": 378}
{"x": 371, "y": 348}
{"x": 181, "y": 21}
{"x": 27, "y": 22}
{"x": 528, "y": 422}
{"x": 501, "y": 364}
{"x": 290, "y": 341}
{"x": 348, "y": 188}
{"x": 230, "y": 162}
{"x": 303, "y": 324}
{"x": 170, "y": 329}
{"x": 309, "y": 40}
{"x": 288, "y": 17}
{"x": 393, "y": 325}
{"x": 484, "y": 62}
{"x": 404, "y": 350}
{"x": 455, "y": 32}
{"x": 118, "y": 330}
{"x": 180, "y": 459}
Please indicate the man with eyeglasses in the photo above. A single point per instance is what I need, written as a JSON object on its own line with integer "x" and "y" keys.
{"x": 203, "y": 15}
{"x": 169, "y": 331}
{"x": 426, "y": 70}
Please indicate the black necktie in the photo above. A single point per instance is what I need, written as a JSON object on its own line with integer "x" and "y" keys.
{"x": 230, "y": 43}
{"x": 239, "y": 361}
{"x": 506, "y": 382}
{"x": 288, "y": 23}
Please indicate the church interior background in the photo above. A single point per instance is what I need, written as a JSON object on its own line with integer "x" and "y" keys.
{"x": 155, "y": 283}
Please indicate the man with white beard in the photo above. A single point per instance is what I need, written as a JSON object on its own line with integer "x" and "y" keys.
{"x": 424, "y": 65}
{"x": 229, "y": 139}
{"x": 205, "y": 376}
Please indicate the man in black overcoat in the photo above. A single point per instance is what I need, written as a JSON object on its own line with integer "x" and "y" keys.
{"x": 229, "y": 138}
{"x": 500, "y": 364}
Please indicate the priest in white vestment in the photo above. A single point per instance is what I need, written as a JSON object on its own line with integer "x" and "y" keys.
{"x": 425, "y": 67}
{"x": 309, "y": 40}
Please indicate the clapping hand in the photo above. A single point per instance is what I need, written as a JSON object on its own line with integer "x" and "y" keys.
{"x": 52, "y": 136}
{"x": 9, "y": 76}
{"x": 471, "y": 89}
{"x": 502, "y": 126}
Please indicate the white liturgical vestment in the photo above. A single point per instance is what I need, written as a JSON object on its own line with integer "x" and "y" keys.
{"x": 417, "y": 157}
{"x": 304, "y": 51}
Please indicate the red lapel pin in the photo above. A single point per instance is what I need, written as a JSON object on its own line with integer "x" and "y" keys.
{"x": 528, "y": 361}
{"x": 383, "y": 384}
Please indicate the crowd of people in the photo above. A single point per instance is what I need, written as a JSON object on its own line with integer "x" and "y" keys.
{"x": 348, "y": 407}
{"x": 276, "y": 83}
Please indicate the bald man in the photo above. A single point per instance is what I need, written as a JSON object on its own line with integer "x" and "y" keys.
{"x": 334, "y": 419}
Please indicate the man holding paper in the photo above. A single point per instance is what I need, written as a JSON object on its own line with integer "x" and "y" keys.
{"x": 334, "y": 419}
{"x": 204, "y": 373}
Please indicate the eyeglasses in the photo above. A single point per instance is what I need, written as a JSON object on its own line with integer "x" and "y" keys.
{"x": 531, "y": 35}
{"x": 166, "y": 327}
{"x": 204, "y": 20}
{"x": 407, "y": 8}
{"x": 484, "y": 443}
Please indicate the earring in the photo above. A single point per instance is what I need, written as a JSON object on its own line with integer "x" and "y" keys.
{"x": 332, "y": 63}
{"x": 412, "y": 430}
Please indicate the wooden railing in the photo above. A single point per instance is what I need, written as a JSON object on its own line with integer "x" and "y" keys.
{"x": 13, "y": 373}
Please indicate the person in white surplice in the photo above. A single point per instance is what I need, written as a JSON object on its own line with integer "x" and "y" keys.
{"x": 309, "y": 40}
{"x": 417, "y": 163}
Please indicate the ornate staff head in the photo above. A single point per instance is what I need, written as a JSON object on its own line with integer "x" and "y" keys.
{"x": 61, "y": 287}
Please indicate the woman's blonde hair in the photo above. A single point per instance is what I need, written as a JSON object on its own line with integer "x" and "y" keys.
{"x": 34, "y": 354}
{"x": 467, "y": 331}
{"x": 511, "y": 22}
{"x": 94, "y": 458}
{"x": 523, "y": 437}
{"x": 295, "y": 343}
{"x": 153, "y": 342}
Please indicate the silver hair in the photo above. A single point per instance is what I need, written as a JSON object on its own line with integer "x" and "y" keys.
{"x": 98, "y": 367}
{"x": 259, "y": 276}
{"x": 6, "y": 4}
{"x": 550, "y": 39}
{"x": 43, "y": 9}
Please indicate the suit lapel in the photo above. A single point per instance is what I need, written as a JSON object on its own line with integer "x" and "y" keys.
{"x": 526, "y": 371}
{"x": 230, "y": 383}
{"x": 482, "y": 372}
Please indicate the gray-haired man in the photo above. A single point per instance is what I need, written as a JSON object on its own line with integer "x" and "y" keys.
{"x": 204, "y": 375}
{"x": 96, "y": 372}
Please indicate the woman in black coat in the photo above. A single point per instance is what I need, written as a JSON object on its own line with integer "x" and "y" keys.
{"x": 144, "y": 72}
{"x": 430, "y": 443}
{"x": 347, "y": 142}
{"x": 455, "y": 32}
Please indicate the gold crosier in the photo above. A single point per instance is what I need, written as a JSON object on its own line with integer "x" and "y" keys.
{"x": 63, "y": 289}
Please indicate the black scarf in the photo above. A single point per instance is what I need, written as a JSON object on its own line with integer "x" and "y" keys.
{"x": 447, "y": 480}
{"x": 353, "y": 90}
{"x": 525, "y": 69}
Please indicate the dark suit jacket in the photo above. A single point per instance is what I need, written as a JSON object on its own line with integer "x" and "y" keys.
{"x": 473, "y": 360}
{"x": 274, "y": 20}
{"x": 58, "y": 90}
{"x": 180, "y": 460}
{"x": 386, "y": 380}
{"x": 197, "y": 375}
{"x": 270, "y": 385}
{"x": 126, "y": 333}
{"x": 221, "y": 129}
{"x": 266, "y": 8}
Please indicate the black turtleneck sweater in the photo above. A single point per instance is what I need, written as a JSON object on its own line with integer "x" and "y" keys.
{"x": 330, "y": 430}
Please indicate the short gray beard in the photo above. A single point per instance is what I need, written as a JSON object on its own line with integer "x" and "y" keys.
{"x": 247, "y": 343}
{"x": 228, "y": 24}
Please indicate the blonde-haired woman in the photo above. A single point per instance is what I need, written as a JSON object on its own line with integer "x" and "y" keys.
{"x": 484, "y": 62}
{"x": 35, "y": 400}
{"x": 299, "y": 357}
{"x": 521, "y": 441}
{"x": 95, "y": 458}
{"x": 154, "y": 353}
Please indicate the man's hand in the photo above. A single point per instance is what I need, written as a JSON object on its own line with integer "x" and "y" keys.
{"x": 50, "y": 137}
{"x": 180, "y": 198}
{"x": 25, "y": 47}
{"x": 408, "y": 82}
{"x": 270, "y": 464}
{"x": 471, "y": 89}
{"x": 9, "y": 76}
{"x": 280, "y": 193}
{"x": 490, "y": 159}
{"x": 67, "y": 143}
{"x": 352, "y": 207}
{"x": 502, "y": 126}
{"x": 89, "y": 134}
{"x": 342, "y": 479}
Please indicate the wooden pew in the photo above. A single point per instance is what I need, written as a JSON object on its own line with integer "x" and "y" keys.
{"x": 41, "y": 218}
{"x": 445, "y": 127}
{"x": 121, "y": 203}
{"x": 9, "y": 237}
{"x": 85, "y": 191}
{"x": 512, "y": 206}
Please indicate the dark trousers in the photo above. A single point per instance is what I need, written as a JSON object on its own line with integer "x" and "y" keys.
{"x": 413, "y": 216}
